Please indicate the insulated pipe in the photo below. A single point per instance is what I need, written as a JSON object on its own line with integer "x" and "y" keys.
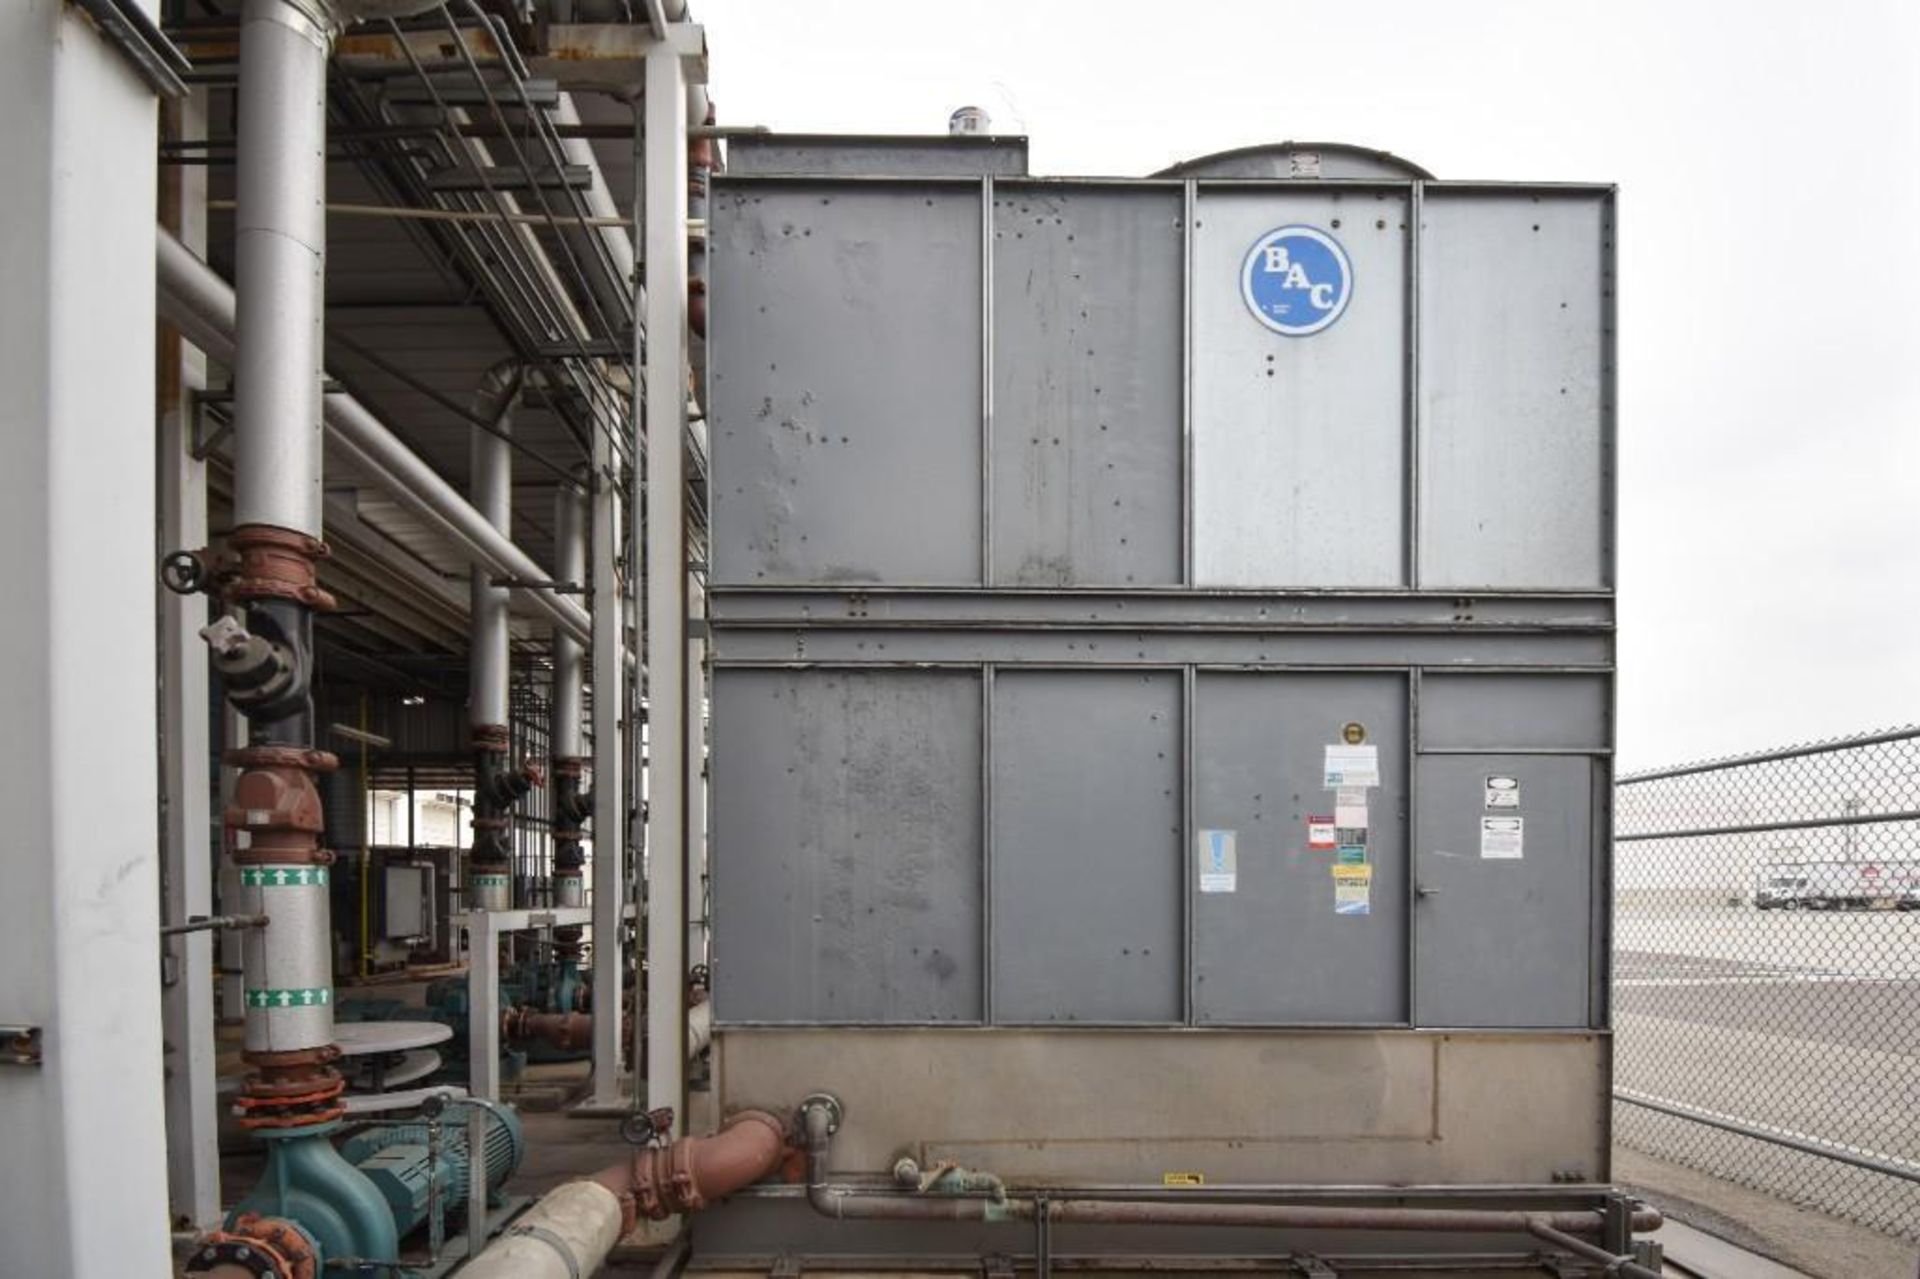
{"x": 569, "y": 1233}
{"x": 279, "y": 243}
{"x": 496, "y": 785}
{"x": 569, "y": 657}
{"x": 820, "y": 1117}
{"x": 201, "y": 305}
{"x": 275, "y": 819}
{"x": 492, "y": 494}
{"x": 571, "y": 806}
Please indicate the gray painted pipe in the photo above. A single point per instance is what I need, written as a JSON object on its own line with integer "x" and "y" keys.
{"x": 200, "y": 304}
{"x": 492, "y": 485}
{"x": 279, "y": 240}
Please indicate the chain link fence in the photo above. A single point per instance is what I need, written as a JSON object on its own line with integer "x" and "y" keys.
{"x": 1767, "y": 973}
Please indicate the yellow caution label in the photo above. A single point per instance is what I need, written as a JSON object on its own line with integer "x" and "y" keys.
{"x": 1183, "y": 1179}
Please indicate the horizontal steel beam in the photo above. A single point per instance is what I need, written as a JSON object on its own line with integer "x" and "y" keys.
{"x": 201, "y": 305}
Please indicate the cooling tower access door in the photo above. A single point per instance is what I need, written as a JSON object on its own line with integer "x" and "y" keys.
{"x": 1502, "y": 914}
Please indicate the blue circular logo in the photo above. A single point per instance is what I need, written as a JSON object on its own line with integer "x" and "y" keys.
{"x": 1296, "y": 280}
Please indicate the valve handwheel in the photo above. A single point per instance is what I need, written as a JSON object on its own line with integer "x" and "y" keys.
{"x": 183, "y": 573}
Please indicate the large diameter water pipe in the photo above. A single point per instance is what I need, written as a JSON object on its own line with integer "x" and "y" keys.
{"x": 202, "y": 306}
{"x": 280, "y": 239}
{"x": 497, "y": 785}
{"x": 571, "y": 1230}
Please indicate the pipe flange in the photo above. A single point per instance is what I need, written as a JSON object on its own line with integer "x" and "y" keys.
{"x": 265, "y": 1247}
{"x": 828, "y": 1102}
{"x": 314, "y": 761}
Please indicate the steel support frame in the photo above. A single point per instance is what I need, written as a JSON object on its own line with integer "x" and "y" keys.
{"x": 484, "y": 928}
{"x": 608, "y": 675}
{"x": 187, "y": 820}
{"x": 79, "y": 917}
{"x": 662, "y": 204}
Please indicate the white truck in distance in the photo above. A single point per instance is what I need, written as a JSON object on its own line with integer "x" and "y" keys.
{"x": 1848, "y": 885}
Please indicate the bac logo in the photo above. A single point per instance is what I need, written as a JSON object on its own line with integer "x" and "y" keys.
{"x": 1296, "y": 280}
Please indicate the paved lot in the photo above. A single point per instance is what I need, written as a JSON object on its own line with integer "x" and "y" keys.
{"x": 1807, "y": 1024}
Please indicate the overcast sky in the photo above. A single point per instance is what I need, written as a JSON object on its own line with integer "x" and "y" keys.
{"x": 1768, "y": 156}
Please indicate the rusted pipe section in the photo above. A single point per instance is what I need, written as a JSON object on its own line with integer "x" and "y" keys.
{"x": 820, "y": 1116}
{"x": 567, "y": 1032}
{"x": 665, "y": 1181}
{"x": 1625, "y": 1267}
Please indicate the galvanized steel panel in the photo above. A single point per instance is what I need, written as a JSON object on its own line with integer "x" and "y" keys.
{"x": 852, "y": 155}
{"x": 1299, "y": 443}
{"x": 1516, "y": 455}
{"x": 846, "y": 845}
{"x": 845, "y": 351}
{"x": 1516, "y": 712}
{"x": 1087, "y": 394}
{"x": 1086, "y": 802}
{"x": 1273, "y": 950}
{"x": 1503, "y": 940}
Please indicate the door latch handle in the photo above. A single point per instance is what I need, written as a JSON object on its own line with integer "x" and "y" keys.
{"x": 1422, "y": 890}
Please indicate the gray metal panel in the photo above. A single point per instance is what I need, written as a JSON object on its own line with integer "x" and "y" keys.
{"x": 1087, "y": 469}
{"x": 1503, "y": 941}
{"x": 1273, "y": 950}
{"x": 1299, "y": 443}
{"x": 1514, "y": 387}
{"x": 846, "y": 846}
{"x": 1086, "y": 846}
{"x": 845, "y": 383}
{"x": 1515, "y": 712}
{"x": 905, "y": 155}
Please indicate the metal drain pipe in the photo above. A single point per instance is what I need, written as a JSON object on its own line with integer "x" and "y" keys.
{"x": 820, "y": 1117}
{"x": 497, "y": 786}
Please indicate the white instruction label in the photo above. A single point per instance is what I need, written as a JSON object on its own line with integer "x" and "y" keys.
{"x": 1350, "y": 796}
{"x": 1219, "y": 865}
{"x": 1502, "y": 837}
{"x": 1503, "y": 792}
{"x": 1351, "y": 816}
{"x": 1353, "y": 765}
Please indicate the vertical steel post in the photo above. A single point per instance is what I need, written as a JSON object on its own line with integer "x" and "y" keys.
{"x": 193, "y": 1152}
{"x": 609, "y": 789}
{"x": 79, "y": 912}
{"x": 661, "y": 1042}
{"x": 696, "y": 777}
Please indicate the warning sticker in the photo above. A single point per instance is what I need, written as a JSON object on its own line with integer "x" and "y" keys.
{"x": 1350, "y": 835}
{"x": 1502, "y": 837}
{"x": 1503, "y": 792}
{"x": 1320, "y": 832}
{"x": 1183, "y": 1179}
{"x": 1218, "y": 862}
{"x": 1352, "y": 855}
{"x": 1352, "y": 890}
{"x": 1353, "y": 765}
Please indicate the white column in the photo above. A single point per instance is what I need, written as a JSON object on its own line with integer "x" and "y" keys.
{"x": 609, "y": 790}
{"x": 80, "y": 909}
{"x": 190, "y": 827}
{"x": 696, "y": 775}
{"x": 663, "y": 180}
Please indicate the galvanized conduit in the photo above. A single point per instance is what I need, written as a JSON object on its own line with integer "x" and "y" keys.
{"x": 196, "y": 300}
{"x": 820, "y": 1118}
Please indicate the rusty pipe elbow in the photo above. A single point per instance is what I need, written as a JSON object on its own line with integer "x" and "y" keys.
{"x": 665, "y": 1181}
